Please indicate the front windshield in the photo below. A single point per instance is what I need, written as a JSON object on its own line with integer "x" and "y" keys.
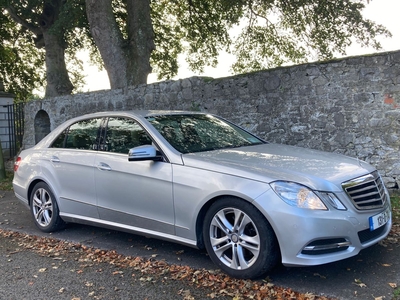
{"x": 197, "y": 133}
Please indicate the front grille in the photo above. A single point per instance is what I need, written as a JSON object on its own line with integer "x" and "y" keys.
{"x": 366, "y": 192}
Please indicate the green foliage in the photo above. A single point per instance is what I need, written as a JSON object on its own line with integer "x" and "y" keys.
{"x": 168, "y": 36}
{"x": 269, "y": 34}
{"x": 198, "y": 28}
{"x": 396, "y": 294}
{"x": 395, "y": 200}
{"x": 6, "y": 183}
{"x": 23, "y": 50}
{"x": 295, "y": 31}
{"x": 21, "y": 63}
{"x": 272, "y": 33}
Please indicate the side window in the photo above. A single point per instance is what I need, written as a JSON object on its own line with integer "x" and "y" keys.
{"x": 60, "y": 140}
{"x": 81, "y": 135}
{"x": 123, "y": 134}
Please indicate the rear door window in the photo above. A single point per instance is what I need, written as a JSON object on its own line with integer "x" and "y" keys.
{"x": 83, "y": 135}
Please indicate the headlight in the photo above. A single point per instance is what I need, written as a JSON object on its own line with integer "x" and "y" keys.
{"x": 298, "y": 195}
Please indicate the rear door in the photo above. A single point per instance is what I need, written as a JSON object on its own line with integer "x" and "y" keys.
{"x": 70, "y": 162}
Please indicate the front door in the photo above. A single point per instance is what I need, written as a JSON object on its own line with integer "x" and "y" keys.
{"x": 135, "y": 194}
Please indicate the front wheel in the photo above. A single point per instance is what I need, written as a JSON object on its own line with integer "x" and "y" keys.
{"x": 239, "y": 239}
{"x": 44, "y": 208}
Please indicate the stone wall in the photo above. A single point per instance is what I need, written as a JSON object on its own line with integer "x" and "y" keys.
{"x": 349, "y": 106}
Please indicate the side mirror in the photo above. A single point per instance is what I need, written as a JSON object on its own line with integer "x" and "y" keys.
{"x": 145, "y": 152}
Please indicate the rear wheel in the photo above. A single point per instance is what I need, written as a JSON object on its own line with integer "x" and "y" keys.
{"x": 239, "y": 239}
{"x": 44, "y": 208}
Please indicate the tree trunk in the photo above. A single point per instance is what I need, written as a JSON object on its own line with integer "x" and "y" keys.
{"x": 141, "y": 40}
{"x": 58, "y": 82}
{"x": 127, "y": 61}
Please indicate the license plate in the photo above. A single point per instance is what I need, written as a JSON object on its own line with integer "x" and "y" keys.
{"x": 379, "y": 220}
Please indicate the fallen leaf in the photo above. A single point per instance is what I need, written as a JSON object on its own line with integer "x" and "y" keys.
{"x": 117, "y": 272}
{"x": 186, "y": 294}
{"x": 386, "y": 265}
{"x": 393, "y": 285}
{"x": 359, "y": 283}
{"x": 42, "y": 270}
{"x": 319, "y": 275}
{"x": 145, "y": 279}
{"x": 148, "y": 270}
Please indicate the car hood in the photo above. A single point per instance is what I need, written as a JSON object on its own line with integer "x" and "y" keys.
{"x": 318, "y": 170}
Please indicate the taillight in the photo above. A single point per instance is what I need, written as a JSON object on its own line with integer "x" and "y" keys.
{"x": 17, "y": 163}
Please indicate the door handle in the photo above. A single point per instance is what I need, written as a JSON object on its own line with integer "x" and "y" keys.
{"x": 103, "y": 167}
{"x": 54, "y": 159}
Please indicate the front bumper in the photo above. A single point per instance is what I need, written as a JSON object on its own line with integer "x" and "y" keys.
{"x": 314, "y": 237}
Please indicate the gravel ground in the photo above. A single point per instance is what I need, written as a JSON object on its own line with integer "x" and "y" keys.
{"x": 32, "y": 266}
{"x": 32, "y": 274}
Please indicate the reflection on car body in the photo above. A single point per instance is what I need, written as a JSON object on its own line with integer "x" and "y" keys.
{"x": 200, "y": 180}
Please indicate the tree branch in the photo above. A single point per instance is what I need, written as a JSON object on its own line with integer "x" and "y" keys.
{"x": 13, "y": 14}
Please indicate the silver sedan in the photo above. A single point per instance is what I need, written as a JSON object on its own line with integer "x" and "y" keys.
{"x": 200, "y": 180}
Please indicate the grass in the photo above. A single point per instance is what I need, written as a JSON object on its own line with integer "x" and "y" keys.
{"x": 396, "y": 294}
{"x": 395, "y": 199}
{"x": 6, "y": 183}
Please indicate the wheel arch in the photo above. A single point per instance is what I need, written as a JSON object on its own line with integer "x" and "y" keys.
{"x": 205, "y": 208}
{"x": 33, "y": 184}
{"x": 30, "y": 189}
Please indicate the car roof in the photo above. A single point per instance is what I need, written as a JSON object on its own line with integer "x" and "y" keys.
{"x": 140, "y": 113}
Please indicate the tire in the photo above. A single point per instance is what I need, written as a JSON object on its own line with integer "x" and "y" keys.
{"x": 239, "y": 239}
{"x": 44, "y": 209}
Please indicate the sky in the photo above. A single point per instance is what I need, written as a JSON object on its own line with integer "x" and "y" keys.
{"x": 384, "y": 12}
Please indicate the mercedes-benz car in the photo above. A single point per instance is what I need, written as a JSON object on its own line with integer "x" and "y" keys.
{"x": 198, "y": 179}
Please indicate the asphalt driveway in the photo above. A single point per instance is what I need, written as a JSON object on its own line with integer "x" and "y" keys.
{"x": 373, "y": 274}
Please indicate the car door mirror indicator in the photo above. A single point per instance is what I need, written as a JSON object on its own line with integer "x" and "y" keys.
{"x": 146, "y": 152}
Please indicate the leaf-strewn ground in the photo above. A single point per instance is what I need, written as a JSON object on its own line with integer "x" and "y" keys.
{"x": 211, "y": 284}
